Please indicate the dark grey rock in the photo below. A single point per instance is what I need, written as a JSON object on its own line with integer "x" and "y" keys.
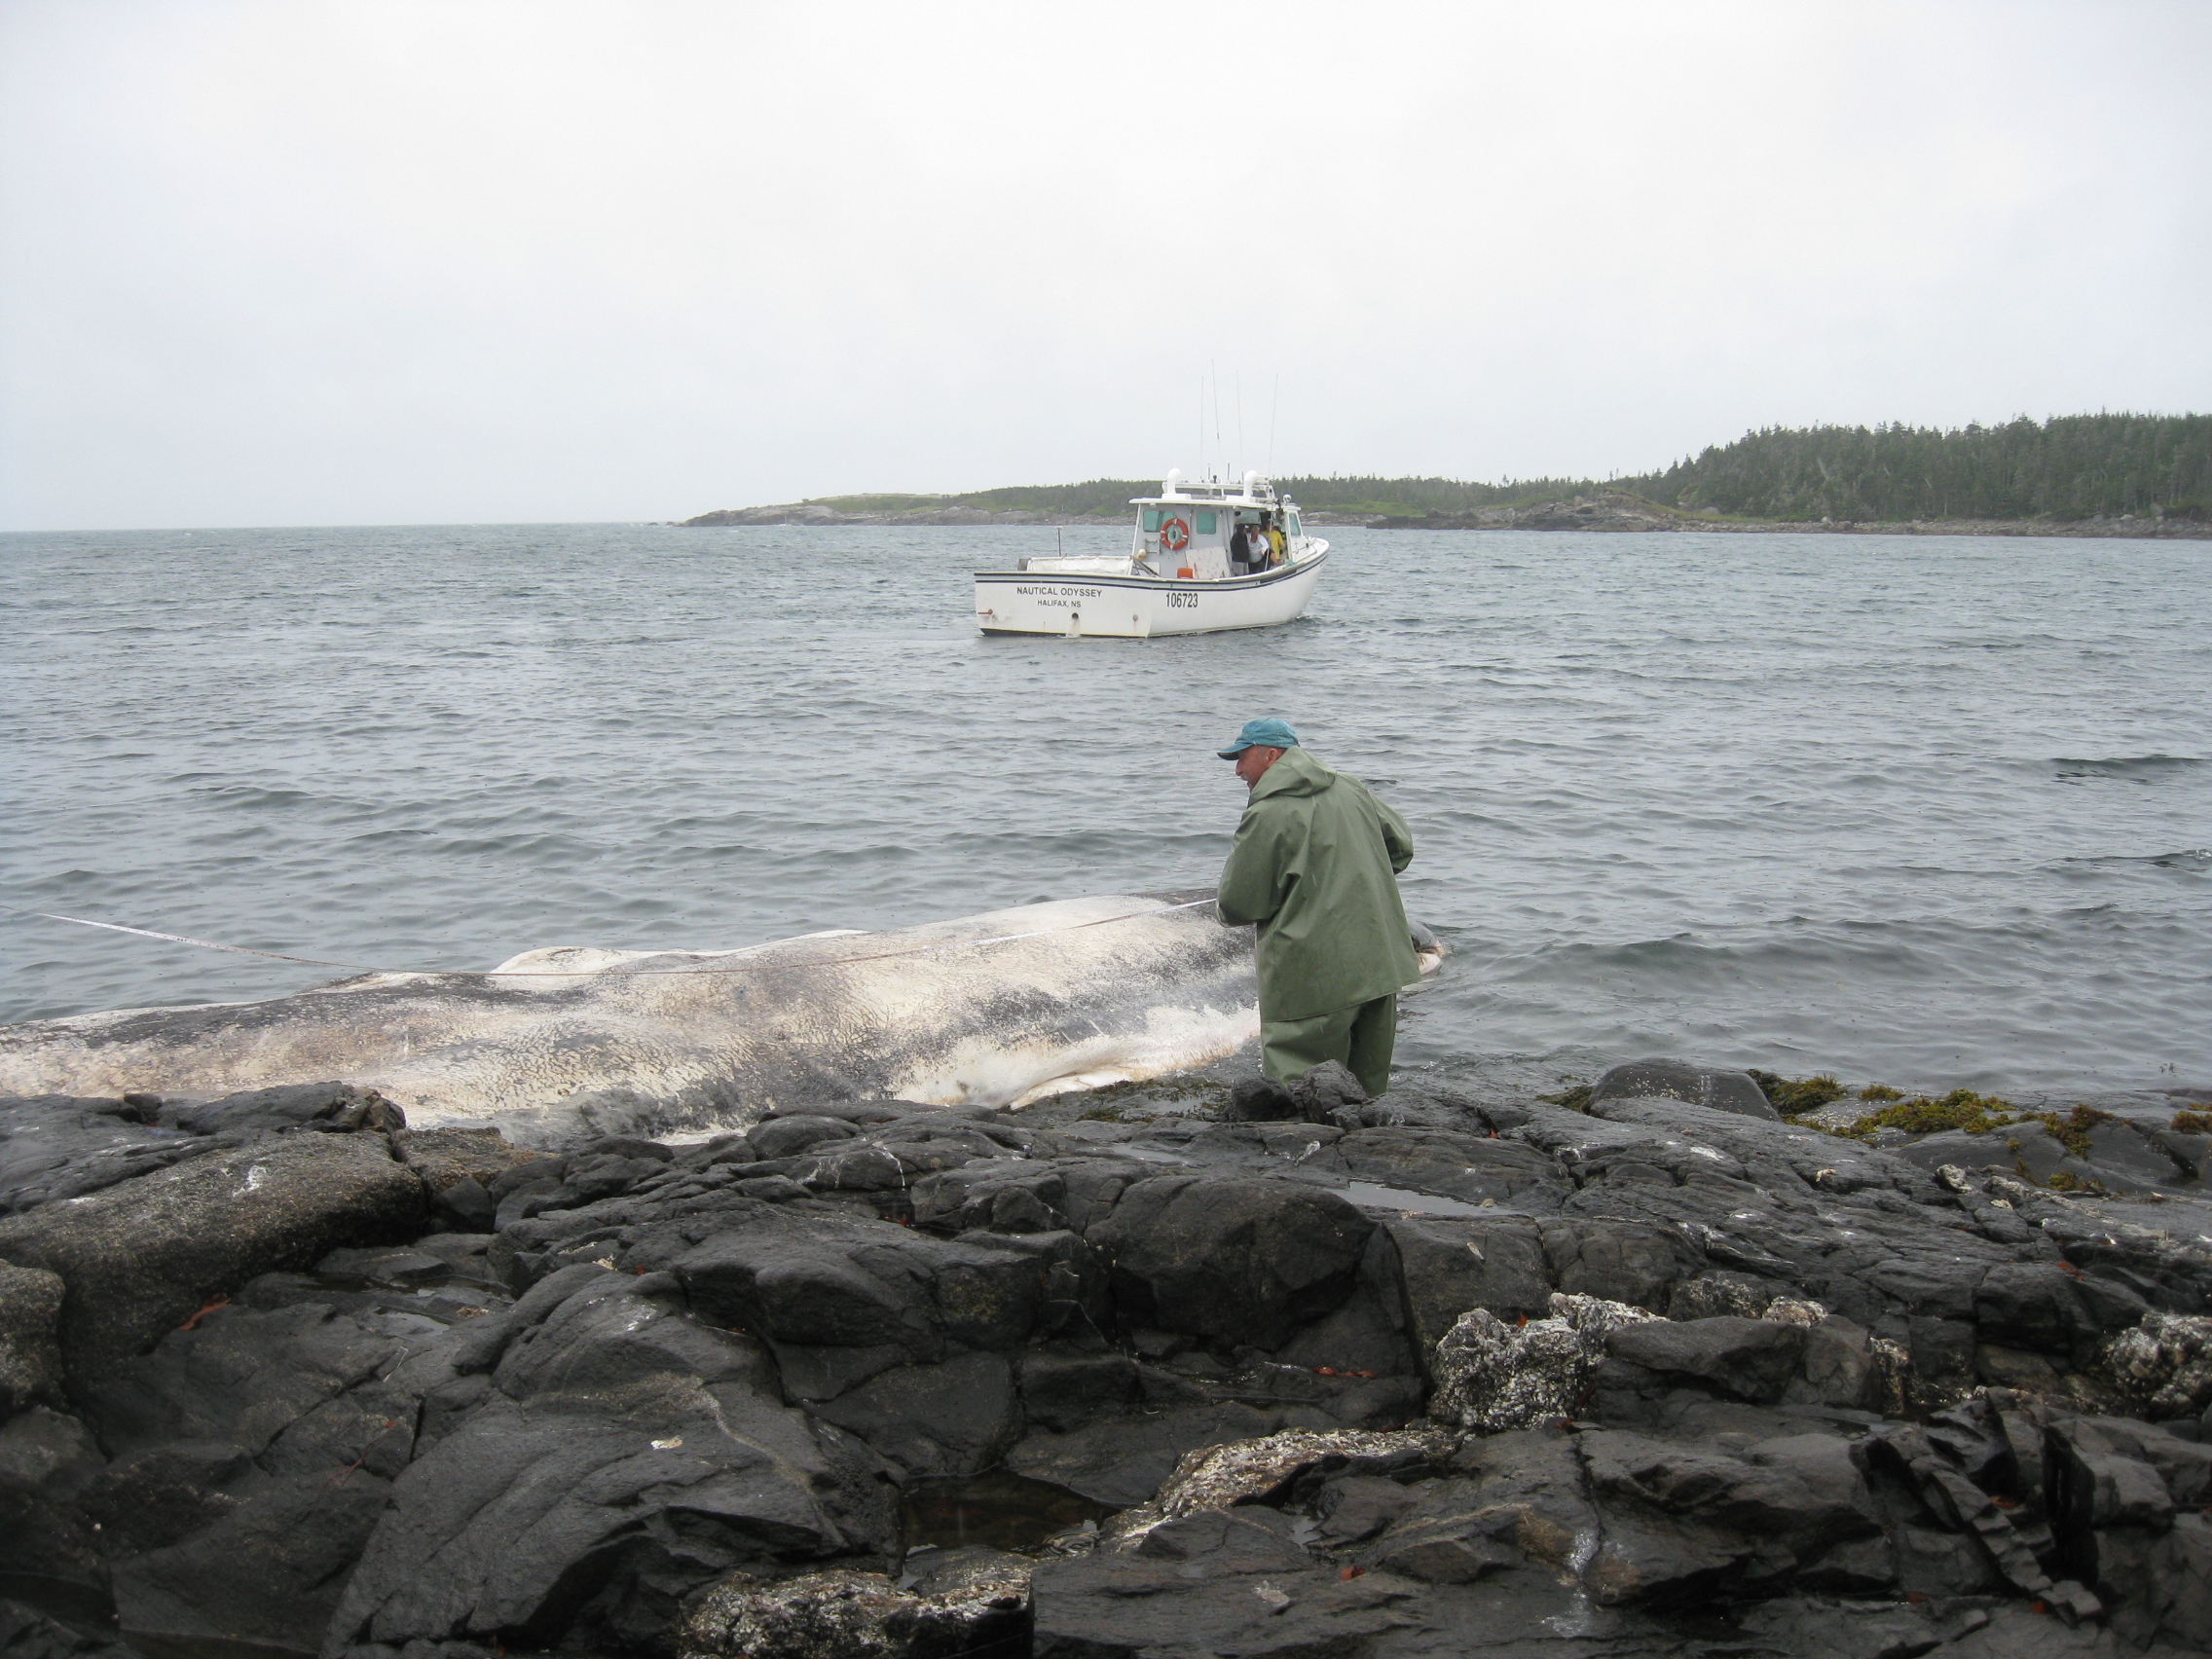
{"x": 1746, "y": 1359}
{"x": 995, "y": 1196}
{"x": 1123, "y": 1461}
{"x": 57, "y": 1146}
{"x": 26, "y": 1633}
{"x": 238, "y": 1379}
{"x": 817, "y": 1281}
{"x": 783, "y": 1137}
{"x": 30, "y": 1348}
{"x": 1324, "y": 1091}
{"x": 142, "y": 1258}
{"x": 1447, "y": 1265}
{"x": 595, "y": 1511}
{"x": 1353, "y": 1509}
{"x": 47, "y": 1536}
{"x": 1679, "y": 1080}
{"x": 448, "y": 1157}
{"x": 335, "y": 1106}
{"x": 1687, "y": 1520}
{"x": 1064, "y": 1390}
{"x": 1236, "y": 1261}
{"x": 954, "y": 1417}
{"x": 1261, "y": 1101}
{"x": 1456, "y": 1165}
{"x": 267, "y": 1572}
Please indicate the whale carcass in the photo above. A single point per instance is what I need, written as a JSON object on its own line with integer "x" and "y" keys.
{"x": 999, "y": 1008}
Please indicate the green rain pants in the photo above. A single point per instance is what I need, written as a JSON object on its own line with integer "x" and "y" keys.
{"x": 1360, "y": 1038}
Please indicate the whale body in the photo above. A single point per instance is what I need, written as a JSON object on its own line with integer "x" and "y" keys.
{"x": 555, "y": 1043}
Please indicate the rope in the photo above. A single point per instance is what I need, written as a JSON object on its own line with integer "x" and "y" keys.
{"x": 588, "y": 973}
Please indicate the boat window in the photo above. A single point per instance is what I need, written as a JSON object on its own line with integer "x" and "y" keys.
{"x": 1294, "y": 530}
{"x": 1207, "y": 524}
{"x": 1152, "y": 520}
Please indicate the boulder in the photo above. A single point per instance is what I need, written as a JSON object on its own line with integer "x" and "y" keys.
{"x": 786, "y": 1137}
{"x": 339, "y": 1107}
{"x": 1679, "y": 1080}
{"x": 1744, "y": 1359}
{"x": 30, "y": 1349}
{"x": 954, "y": 1417}
{"x": 1261, "y": 1101}
{"x": 47, "y": 1539}
{"x": 1233, "y": 1260}
{"x": 625, "y": 1455}
{"x": 1684, "y": 1521}
{"x": 1446, "y": 1266}
{"x": 58, "y": 1146}
{"x": 142, "y": 1258}
{"x": 814, "y": 1281}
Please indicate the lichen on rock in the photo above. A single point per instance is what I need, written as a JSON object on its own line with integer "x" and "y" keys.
{"x": 2164, "y": 1363}
{"x": 963, "y": 1607}
{"x": 1492, "y": 1376}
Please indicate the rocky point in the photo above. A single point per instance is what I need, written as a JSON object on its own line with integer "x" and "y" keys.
{"x": 1661, "y": 1367}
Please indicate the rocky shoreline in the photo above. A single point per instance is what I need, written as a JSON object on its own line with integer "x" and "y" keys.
{"x": 1610, "y": 510}
{"x": 1181, "y": 1367}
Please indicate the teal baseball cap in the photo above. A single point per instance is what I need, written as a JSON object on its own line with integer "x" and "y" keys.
{"x": 1261, "y": 734}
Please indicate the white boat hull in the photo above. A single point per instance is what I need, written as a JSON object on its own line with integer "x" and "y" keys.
{"x": 1142, "y": 608}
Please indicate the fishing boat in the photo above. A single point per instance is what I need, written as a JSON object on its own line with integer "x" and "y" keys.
{"x": 1204, "y": 556}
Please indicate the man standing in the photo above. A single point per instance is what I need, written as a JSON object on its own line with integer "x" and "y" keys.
{"x": 1314, "y": 865}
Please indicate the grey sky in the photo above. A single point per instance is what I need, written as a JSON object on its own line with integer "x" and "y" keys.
{"x": 305, "y": 262}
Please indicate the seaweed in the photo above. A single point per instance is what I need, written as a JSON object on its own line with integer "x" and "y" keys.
{"x": 1804, "y": 1094}
{"x": 2191, "y": 1123}
{"x": 2066, "y": 1181}
{"x": 1961, "y": 1109}
{"x": 1575, "y": 1099}
{"x": 2072, "y": 1131}
{"x": 1880, "y": 1092}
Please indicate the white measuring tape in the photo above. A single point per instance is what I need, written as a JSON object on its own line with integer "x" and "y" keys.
{"x": 588, "y": 973}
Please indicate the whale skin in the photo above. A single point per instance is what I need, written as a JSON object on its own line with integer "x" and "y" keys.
{"x": 567, "y": 1042}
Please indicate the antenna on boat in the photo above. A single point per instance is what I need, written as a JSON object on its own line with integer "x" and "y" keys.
{"x": 1241, "y": 450}
{"x": 1273, "y": 399}
{"x": 1201, "y": 426}
{"x": 1220, "y": 460}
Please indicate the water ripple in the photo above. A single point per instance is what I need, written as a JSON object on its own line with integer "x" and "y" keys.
{"x": 1916, "y": 807}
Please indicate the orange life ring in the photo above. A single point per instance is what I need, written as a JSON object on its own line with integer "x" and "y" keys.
{"x": 1174, "y": 535}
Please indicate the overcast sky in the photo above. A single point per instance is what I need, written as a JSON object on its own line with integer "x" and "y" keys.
{"x": 382, "y": 261}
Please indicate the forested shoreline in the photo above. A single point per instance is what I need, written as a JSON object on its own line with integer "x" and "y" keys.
{"x": 2070, "y": 470}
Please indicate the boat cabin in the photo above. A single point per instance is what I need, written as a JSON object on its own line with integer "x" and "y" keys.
{"x": 1214, "y": 530}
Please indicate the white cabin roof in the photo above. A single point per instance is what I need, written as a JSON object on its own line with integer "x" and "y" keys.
{"x": 1250, "y": 491}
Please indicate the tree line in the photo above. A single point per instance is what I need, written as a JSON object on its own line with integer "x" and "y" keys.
{"x": 2071, "y": 467}
{"x": 2074, "y": 466}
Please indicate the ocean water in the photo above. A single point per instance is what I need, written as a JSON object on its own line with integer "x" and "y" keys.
{"x": 1924, "y": 810}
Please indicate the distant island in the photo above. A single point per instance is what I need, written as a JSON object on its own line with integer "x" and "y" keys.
{"x": 2074, "y": 475}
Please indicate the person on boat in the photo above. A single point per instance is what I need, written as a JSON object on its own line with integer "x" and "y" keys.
{"x": 1276, "y": 541}
{"x": 1314, "y": 865}
{"x": 1242, "y": 554}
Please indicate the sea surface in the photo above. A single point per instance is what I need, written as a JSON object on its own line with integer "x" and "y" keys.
{"x": 1929, "y": 810}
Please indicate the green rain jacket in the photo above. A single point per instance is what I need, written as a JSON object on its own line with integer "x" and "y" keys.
{"x": 1314, "y": 865}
